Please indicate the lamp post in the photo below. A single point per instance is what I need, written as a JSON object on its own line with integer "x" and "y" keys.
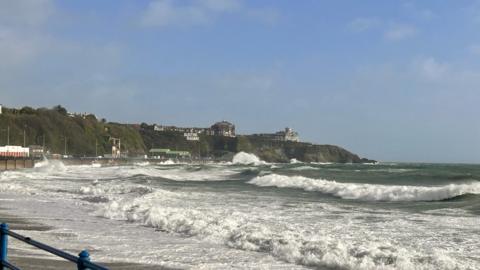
{"x": 24, "y": 136}
{"x": 65, "y": 146}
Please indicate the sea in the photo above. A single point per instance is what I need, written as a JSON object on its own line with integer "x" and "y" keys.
{"x": 250, "y": 214}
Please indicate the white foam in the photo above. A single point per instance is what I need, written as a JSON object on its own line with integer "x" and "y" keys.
{"x": 321, "y": 163}
{"x": 368, "y": 192}
{"x": 261, "y": 230}
{"x": 294, "y": 161}
{"x": 247, "y": 159}
{"x": 143, "y": 163}
{"x": 15, "y": 188}
{"x": 303, "y": 168}
{"x": 167, "y": 162}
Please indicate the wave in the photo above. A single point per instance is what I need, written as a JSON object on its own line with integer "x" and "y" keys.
{"x": 321, "y": 163}
{"x": 303, "y": 168}
{"x": 16, "y": 188}
{"x": 294, "y": 161}
{"x": 368, "y": 192}
{"x": 172, "y": 213}
{"x": 243, "y": 158}
{"x": 115, "y": 190}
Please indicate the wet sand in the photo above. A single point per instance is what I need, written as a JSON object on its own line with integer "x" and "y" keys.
{"x": 25, "y": 262}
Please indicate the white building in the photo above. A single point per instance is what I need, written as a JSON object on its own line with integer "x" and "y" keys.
{"x": 290, "y": 135}
{"x": 14, "y": 151}
{"x": 191, "y": 136}
{"x": 0, "y": 108}
{"x": 287, "y": 135}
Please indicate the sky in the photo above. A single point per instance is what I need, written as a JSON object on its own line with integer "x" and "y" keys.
{"x": 388, "y": 80}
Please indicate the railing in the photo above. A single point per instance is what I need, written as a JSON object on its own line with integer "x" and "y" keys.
{"x": 82, "y": 261}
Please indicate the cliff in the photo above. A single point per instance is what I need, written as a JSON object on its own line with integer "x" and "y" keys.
{"x": 285, "y": 151}
{"x": 270, "y": 151}
{"x": 85, "y": 136}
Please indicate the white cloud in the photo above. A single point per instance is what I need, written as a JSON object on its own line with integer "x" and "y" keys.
{"x": 363, "y": 24}
{"x": 431, "y": 69}
{"x": 400, "y": 31}
{"x": 162, "y": 13}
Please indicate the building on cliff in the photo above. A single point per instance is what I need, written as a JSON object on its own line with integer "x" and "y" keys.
{"x": 287, "y": 135}
{"x": 223, "y": 128}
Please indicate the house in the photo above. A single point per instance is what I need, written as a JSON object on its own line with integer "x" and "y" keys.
{"x": 287, "y": 135}
{"x": 223, "y": 128}
{"x": 36, "y": 151}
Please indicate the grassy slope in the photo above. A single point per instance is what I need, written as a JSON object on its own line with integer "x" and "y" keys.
{"x": 54, "y": 126}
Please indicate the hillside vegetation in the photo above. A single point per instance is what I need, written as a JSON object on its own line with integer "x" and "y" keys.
{"x": 53, "y": 126}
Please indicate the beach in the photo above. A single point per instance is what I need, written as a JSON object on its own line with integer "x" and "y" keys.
{"x": 48, "y": 261}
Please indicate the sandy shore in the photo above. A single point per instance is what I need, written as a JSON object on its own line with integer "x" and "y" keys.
{"x": 25, "y": 262}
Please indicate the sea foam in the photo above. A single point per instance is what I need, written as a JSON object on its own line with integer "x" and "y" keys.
{"x": 368, "y": 192}
{"x": 247, "y": 159}
{"x": 168, "y": 212}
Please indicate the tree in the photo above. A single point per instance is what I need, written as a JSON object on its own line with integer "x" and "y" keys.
{"x": 27, "y": 110}
{"x": 61, "y": 110}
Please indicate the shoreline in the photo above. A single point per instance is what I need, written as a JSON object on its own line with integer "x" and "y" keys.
{"x": 50, "y": 262}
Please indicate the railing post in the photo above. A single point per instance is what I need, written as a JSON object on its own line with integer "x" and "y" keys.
{"x": 83, "y": 256}
{"x": 3, "y": 244}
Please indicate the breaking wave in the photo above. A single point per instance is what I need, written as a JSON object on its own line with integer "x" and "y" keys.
{"x": 294, "y": 161}
{"x": 368, "y": 192}
{"x": 167, "y": 212}
{"x": 247, "y": 159}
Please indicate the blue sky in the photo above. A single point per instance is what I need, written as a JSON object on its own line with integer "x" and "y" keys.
{"x": 389, "y": 80}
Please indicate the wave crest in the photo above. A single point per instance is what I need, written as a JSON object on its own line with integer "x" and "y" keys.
{"x": 368, "y": 192}
{"x": 243, "y": 231}
{"x": 247, "y": 159}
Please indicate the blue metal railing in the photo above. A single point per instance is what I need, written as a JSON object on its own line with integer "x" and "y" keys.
{"x": 82, "y": 261}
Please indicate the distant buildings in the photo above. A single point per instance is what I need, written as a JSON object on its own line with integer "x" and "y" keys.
{"x": 82, "y": 115}
{"x": 0, "y": 108}
{"x": 223, "y": 128}
{"x": 227, "y": 129}
{"x": 287, "y": 135}
{"x": 14, "y": 151}
{"x": 36, "y": 151}
{"x": 180, "y": 129}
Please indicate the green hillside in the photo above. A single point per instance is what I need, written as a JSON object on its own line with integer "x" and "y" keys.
{"x": 52, "y": 127}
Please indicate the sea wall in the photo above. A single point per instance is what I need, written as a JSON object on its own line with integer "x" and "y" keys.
{"x": 16, "y": 163}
